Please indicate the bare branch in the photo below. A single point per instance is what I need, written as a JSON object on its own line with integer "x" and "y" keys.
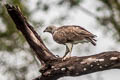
{"x": 29, "y": 33}
{"x": 77, "y": 66}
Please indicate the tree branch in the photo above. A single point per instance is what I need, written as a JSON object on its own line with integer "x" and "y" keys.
{"x": 54, "y": 67}
{"x": 77, "y": 66}
{"x": 29, "y": 33}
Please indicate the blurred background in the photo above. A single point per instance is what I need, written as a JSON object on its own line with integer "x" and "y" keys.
{"x": 101, "y": 17}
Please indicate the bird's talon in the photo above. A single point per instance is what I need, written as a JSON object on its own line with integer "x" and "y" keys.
{"x": 57, "y": 56}
{"x": 64, "y": 58}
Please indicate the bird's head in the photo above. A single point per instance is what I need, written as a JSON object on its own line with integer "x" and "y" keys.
{"x": 50, "y": 29}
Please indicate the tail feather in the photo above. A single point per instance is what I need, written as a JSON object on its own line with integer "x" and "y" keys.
{"x": 92, "y": 40}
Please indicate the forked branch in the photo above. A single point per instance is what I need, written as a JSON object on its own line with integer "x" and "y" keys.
{"x": 30, "y": 34}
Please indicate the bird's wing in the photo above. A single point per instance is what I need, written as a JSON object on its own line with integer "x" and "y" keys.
{"x": 86, "y": 34}
{"x": 71, "y": 33}
{"x": 76, "y": 31}
{"x": 81, "y": 31}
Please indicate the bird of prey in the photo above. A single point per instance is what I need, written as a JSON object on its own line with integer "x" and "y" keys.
{"x": 69, "y": 35}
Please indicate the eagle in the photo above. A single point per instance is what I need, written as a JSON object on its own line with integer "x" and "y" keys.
{"x": 69, "y": 35}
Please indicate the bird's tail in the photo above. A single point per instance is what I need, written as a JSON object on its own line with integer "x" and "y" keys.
{"x": 92, "y": 40}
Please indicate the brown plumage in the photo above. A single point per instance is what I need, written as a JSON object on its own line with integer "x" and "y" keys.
{"x": 69, "y": 35}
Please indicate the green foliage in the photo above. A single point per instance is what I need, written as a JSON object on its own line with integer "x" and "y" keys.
{"x": 113, "y": 18}
{"x": 10, "y": 37}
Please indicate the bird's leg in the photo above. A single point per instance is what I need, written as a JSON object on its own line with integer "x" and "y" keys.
{"x": 66, "y": 52}
{"x": 69, "y": 47}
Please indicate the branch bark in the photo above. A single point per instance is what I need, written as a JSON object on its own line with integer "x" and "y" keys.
{"x": 30, "y": 34}
{"x": 54, "y": 67}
